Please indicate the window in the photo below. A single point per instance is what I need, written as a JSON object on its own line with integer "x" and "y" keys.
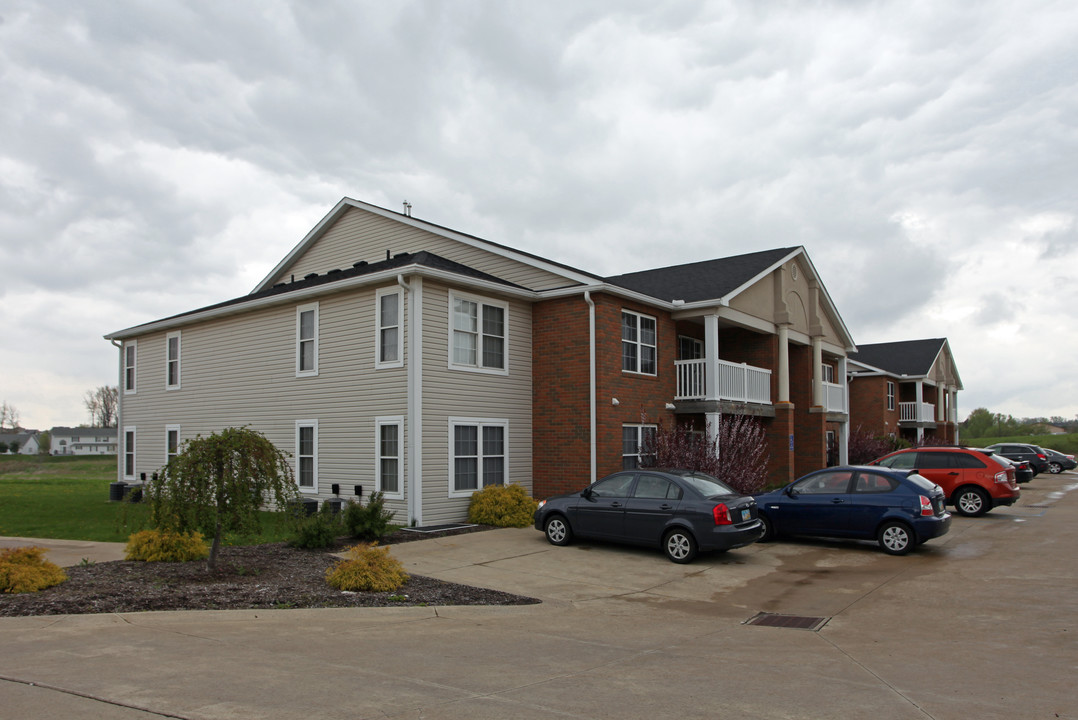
{"x": 307, "y": 340}
{"x": 637, "y": 442}
{"x": 614, "y": 486}
{"x": 477, "y": 454}
{"x": 901, "y": 461}
{"x": 689, "y": 348}
{"x": 826, "y": 483}
{"x": 172, "y": 361}
{"x": 637, "y": 343}
{"x": 130, "y": 355}
{"x": 890, "y": 395}
{"x": 388, "y": 350}
{"x": 653, "y": 487}
{"x": 172, "y": 442}
{"x": 479, "y": 334}
{"x": 307, "y": 455}
{"x": 129, "y": 453}
{"x": 872, "y": 483}
{"x": 829, "y": 374}
{"x": 388, "y": 449}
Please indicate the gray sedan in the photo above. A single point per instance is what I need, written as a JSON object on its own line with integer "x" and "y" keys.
{"x": 681, "y": 511}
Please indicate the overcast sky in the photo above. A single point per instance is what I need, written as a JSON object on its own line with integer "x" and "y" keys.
{"x": 159, "y": 157}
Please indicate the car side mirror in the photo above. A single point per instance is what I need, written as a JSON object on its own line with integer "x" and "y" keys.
{"x": 792, "y": 492}
{"x": 586, "y": 493}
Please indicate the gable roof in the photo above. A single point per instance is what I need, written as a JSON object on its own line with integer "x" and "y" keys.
{"x": 315, "y": 284}
{"x": 705, "y": 280}
{"x": 345, "y": 204}
{"x": 911, "y": 358}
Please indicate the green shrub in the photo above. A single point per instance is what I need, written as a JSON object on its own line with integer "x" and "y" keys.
{"x": 369, "y": 522}
{"x": 25, "y": 570}
{"x": 319, "y": 530}
{"x": 166, "y": 546}
{"x": 502, "y": 506}
{"x": 367, "y": 568}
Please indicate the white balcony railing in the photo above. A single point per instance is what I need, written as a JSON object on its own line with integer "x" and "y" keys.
{"x": 834, "y": 397}
{"x": 737, "y": 382}
{"x": 916, "y": 412}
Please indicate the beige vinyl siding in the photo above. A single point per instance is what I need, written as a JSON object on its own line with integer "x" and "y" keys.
{"x": 458, "y": 393}
{"x": 241, "y": 370}
{"x": 361, "y": 235}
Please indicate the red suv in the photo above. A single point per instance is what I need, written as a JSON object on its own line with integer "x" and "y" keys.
{"x": 972, "y": 479}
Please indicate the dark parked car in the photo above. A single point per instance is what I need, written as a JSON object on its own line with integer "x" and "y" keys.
{"x": 975, "y": 480}
{"x": 680, "y": 511}
{"x": 1058, "y": 462}
{"x": 898, "y": 509}
{"x": 1037, "y": 457}
{"x": 1023, "y": 473}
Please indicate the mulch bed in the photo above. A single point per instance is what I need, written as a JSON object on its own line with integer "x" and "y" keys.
{"x": 272, "y": 576}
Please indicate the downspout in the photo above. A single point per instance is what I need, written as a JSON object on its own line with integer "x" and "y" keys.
{"x": 591, "y": 378}
{"x": 120, "y": 438}
{"x": 414, "y": 370}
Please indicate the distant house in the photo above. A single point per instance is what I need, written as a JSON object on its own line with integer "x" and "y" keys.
{"x": 908, "y": 389}
{"x": 83, "y": 441}
{"x": 388, "y": 353}
{"x": 25, "y": 439}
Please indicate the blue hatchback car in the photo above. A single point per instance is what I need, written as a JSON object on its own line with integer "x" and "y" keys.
{"x": 899, "y": 509}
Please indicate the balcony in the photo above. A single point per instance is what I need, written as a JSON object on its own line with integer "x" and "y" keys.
{"x": 737, "y": 382}
{"x": 916, "y": 412}
{"x": 834, "y": 397}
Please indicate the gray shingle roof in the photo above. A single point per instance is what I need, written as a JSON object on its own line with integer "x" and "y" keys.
{"x": 706, "y": 280}
{"x": 906, "y": 357}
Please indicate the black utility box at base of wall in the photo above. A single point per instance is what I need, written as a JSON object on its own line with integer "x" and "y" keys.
{"x": 335, "y": 505}
{"x": 116, "y": 491}
{"x": 304, "y": 506}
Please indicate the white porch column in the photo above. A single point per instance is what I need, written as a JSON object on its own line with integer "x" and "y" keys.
{"x": 784, "y": 363}
{"x": 941, "y": 404}
{"x": 714, "y": 421}
{"x": 711, "y": 357}
{"x": 817, "y": 371}
{"x": 918, "y": 399}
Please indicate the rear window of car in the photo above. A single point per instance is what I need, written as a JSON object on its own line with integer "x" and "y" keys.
{"x": 706, "y": 485}
{"x": 922, "y": 482}
{"x": 967, "y": 460}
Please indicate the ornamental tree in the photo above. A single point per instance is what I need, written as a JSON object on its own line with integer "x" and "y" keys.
{"x": 217, "y": 484}
{"x": 739, "y": 459}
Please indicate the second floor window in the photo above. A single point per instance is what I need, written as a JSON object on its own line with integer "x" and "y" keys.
{"x": 172, "y": 361}
{"x": 890, "y": 396}
{"x": 389, "y": 351}
{"x": 638, "y": 351}
{"x": 307, "y": 340}
{"x": 479, "y": 334}
{"x": 130, "y": 355}
{"x": 829, "y": 374}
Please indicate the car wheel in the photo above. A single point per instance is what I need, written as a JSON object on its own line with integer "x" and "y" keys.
{"x": 896, "y": 538}
{"x": 769, "y": 530}
{"x": 679, "y": 545}
{"x": 558, "y": 531}
{"x": 1055, "y": 468}
{"x": 971, "y": 502}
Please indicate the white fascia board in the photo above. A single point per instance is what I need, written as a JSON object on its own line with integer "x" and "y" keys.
{"x": 331, "y": 288}
{"x": 609, "y": 290}
{"x": 341, "y": 207}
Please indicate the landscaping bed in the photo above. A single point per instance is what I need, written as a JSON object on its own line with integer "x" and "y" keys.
{"x": 270, "y": 576}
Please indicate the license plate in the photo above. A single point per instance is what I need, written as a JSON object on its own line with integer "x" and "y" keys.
{"x": 746, "y": 515}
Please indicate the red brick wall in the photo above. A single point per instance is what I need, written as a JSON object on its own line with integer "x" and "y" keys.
{"x": 868, "y": 405}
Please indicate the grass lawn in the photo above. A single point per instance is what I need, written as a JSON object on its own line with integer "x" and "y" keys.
{"x": 67, "y": 498}
{"x": 1066, "y": 444}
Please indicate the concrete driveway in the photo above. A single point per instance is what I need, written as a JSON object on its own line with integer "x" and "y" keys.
{"x": 980, "y": 623}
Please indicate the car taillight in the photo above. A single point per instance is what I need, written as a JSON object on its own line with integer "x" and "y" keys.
{"x": 721, "y": 514}
{"x": 926, "y": 506}
{"x": 1001, "y": 477}
{"x": 1042, "y": 457}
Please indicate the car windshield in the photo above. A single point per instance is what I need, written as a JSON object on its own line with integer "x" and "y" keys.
{"x": 706, "y": 485}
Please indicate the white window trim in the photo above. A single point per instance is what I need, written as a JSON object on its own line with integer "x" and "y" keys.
{"x": 134, "y": 456}
{"x": 379, "y": 423}
{"x": 453, "y": 297}
{"x": 640, "y": 343}
{"x": 480, "y": 423}
{"x": 299, "y": 342}
{"x": 637, "y": 454}
{"x": 827, "y": 372}
{"x": 169, "y": 429}
{"x": 891, "y": 395}
{"x": 179, "y": 354}
{"x": 133, "y": 344}
{"x": 313, "y": 490}
{"x": 697, "y": 343}
{"x": 378, "y": 362}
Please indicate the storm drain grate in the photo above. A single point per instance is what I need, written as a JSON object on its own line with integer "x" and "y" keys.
{"x": 437, "y": 528}
{"x": 797, "y": 622}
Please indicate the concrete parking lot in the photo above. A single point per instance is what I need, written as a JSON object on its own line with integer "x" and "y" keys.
{"x": 978, "y": 624}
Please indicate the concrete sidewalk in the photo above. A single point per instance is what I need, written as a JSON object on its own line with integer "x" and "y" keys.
{"x": 980, "y": 623}
{"x": 68, "y": 553}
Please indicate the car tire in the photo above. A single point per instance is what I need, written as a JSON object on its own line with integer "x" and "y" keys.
{"x": 896, "y": 538}
{"x": 557, "y": 530}
{"x": 769, "y": 530}
{"x": 971, "y": 502}
{"x": 1055, "y": 468}
{"x": 679, "y": 546}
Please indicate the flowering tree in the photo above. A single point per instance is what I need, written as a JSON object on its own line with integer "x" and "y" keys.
{"x": 739, "y": 459}
{"x": 866, "y": 445}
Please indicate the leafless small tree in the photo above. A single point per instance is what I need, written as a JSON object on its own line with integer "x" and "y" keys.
{"x": 102, "y": 404}
{"x": 9, "y": 416}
